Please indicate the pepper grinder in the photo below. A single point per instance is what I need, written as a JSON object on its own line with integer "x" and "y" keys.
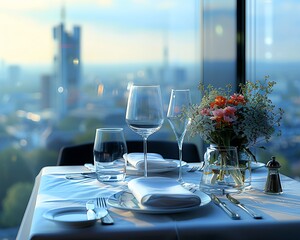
{"x": 273, "y": 185}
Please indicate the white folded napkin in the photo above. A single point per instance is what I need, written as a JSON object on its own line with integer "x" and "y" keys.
{"x": 162, "y": 192}
{"x": 154, "y": 161}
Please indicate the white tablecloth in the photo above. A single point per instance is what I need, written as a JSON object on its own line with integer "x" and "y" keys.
{"x": 281, "y": 213}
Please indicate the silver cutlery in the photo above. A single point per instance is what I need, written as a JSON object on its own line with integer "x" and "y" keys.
{"x": 191, "y": 187}
{"x": 107, "y": 219}
{"x": 202, "y": 167}
{"x": 79, "y": 176}
{"x": 193, "y": 169}
{"x": 196, "y": 168}
{"x": 225, "y": 208}
{"x": 242, "y": 206}
{"x": 94, "y": 212}
{"x": 90, "y": 166}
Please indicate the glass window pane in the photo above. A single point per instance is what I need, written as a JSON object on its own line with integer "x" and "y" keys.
{"x": 273, "y": 49}
{"x": 219, "y": 42}
{"x": 65, "y": 71}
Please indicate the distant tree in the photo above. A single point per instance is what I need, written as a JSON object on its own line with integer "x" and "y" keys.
{"x": 40, "y": 158}
{"x": 68, "y": 123}
{"x": 2, "y": 129}
{"x": 92, "y": 124}
{"x": 265, "y": 156}
{"x": 13, "y": 169}
{"x": 89, "y": 125}
{"x": 14, "y": 204}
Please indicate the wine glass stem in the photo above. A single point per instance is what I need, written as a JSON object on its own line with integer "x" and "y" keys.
{"x": 145, "y": 156}
{"x": 180, "y": 162}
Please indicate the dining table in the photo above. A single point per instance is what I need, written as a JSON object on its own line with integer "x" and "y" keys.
{"x": 53, "y": 190}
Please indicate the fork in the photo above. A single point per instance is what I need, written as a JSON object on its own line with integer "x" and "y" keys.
{"x": 107, "y": 219}
{"x": 193, "y": 169}
{"x": 202, "y": 167}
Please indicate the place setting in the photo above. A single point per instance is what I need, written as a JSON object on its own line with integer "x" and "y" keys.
{"x": 141, "y": 192}
{"x": 145, "y": 188}
{"x": 72, "y": 216}
{"x": 157, "y": 195}
{"x": 78, "y": 215}
{"x": 113, "y": 164}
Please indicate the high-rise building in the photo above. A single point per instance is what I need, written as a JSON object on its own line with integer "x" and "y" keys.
{"x": 14, "y": 73}
{"x": 46, "y": 87}
{"x": 67, "y": 69}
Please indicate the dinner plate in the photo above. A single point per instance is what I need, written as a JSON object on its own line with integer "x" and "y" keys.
{"x": 126, "y": 201}
{"x": 71, "y": 216}
{"x": 132, "y": 170}
{"x": 256, "y": 165}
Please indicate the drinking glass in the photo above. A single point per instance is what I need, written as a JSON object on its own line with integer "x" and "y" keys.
{"x": 110, "y": 154}
{"x": 178, "y": 118}
{"x": 144, "y": 114}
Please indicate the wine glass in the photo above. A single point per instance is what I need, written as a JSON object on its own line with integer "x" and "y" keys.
{"x": 178, "y": 118}
{"x": 144, "y": 114}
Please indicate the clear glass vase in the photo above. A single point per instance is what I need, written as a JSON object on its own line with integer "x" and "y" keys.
{"x": 221, "y": 173}
{"x": 245, "y": 160}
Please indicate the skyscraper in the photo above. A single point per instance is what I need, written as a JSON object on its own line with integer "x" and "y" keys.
{"x": 67, "y": 69}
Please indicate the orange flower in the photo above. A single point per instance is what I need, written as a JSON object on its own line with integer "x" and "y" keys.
{"x": 220, "y": 101}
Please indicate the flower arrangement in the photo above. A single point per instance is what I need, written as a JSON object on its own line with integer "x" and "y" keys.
{"x": 225, "y": 119}
{"x": 240, "y": 119}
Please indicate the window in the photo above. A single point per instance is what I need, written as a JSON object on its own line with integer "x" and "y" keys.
{"x": 65, "y": 71}
{"x": 219, "y": 42}
{"x": 272, "y": 49}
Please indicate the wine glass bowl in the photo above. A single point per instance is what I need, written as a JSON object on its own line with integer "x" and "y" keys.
{"x": 144, "y": 113}
{"x": 180, "y": 101}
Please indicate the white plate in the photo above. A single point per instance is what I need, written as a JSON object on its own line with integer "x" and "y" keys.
{"x": 132, "y": 170}
{"x": 71, "y": 216}
{"x": 126, "y": 201}
{"x": 256, "y": 165}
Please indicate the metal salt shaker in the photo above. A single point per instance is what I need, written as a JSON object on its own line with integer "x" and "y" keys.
{"x": 273, "y": 185}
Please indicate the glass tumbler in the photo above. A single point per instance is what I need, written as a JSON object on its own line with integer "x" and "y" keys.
{"x": 110, "y": 152}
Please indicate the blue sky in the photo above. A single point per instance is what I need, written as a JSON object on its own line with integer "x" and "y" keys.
{"x": 118, "y": 31}
{"x": 112, "y": 30}
{"x": 278, "y": 31}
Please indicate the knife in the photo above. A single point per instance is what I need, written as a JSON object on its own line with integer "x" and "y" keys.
{"x": 223, "y": 205}
{"x": 242, "y": 206}
{"x": 78, "y": 176}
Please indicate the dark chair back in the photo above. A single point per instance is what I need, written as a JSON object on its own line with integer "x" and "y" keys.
{"x": 83, "y": 153}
